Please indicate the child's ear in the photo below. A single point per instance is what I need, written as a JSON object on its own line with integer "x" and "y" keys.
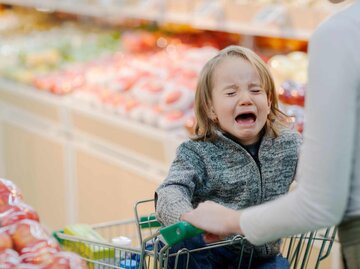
{"x": 212, "y": 114}
{"x": 269, "y": 106}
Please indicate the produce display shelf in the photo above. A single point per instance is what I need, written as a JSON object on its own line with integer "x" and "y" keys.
{"x": 278, "y": 20}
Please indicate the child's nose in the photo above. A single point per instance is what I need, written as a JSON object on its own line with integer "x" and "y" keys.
{"x": 244, "y": 99}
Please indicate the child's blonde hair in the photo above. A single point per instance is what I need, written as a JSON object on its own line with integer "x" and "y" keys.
{"x": 205, "y": 128}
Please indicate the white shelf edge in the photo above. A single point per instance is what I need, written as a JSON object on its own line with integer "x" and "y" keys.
{"x": 30, "y": 92}
{"x": 118, "y": 120}
{"x": 74, "y": 105}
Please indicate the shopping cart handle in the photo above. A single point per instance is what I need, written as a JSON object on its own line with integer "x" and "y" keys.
{"x": 148, "y": 222}
{"x": 55, "y": 235}
{"x": 178, "y": 232}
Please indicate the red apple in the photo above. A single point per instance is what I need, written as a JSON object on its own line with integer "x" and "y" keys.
{"x": 17, "y": 212}
{"x": 28, "y": 266}
{"x": 173, "y": 96}
{"x": 41, "y": 244}
{"x": 41, "y": 252}
{"x": 7, "y": 201}
{"x": 8, "y": 187}
{"x": 4, "y": 205}
{"x": 5, "y": 241}
{"x": 9, "y": 194}
{"x": 174, "y": 115}
{"x": 9, "y": 259}
{"x": 26, "y": 233}
{"x": 66, "y": 260}
{"x": 4, "y": 186}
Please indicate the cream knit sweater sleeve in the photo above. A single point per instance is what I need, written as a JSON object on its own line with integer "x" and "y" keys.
{"x": 330, "y": 151}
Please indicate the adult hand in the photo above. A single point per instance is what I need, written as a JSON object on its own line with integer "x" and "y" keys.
{"x": 214, "y": 219}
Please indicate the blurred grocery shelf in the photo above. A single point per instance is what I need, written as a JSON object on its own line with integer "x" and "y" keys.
{"x": 53, "y": 144}
{"x": 261, "y": 18}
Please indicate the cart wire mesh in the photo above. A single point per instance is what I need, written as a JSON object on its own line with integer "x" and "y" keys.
{"x": 148, "y": 249}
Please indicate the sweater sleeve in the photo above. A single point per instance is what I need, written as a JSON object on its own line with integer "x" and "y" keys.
{"x": 175, "y": 194}
{"x": 324, "y": 169}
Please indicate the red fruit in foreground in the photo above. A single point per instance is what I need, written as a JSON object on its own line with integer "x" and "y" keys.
{"x": 27, "y": 233}
{"x": 5, "y": 241}
{"x": 18, "y": 211}
{"x": 42, "y": 252}
{"x": 66, "y": 260}
{"x": 9, "y": 259}
{"x": 8, "y": 187}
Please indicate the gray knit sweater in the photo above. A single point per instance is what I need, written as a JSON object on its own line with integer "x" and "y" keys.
{"x": 224, "y": 172}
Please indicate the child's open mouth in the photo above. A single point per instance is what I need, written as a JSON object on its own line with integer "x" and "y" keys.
{"x": 246, "y": 118}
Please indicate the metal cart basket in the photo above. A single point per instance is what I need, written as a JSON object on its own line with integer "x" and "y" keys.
{"x": 151, "y": 244}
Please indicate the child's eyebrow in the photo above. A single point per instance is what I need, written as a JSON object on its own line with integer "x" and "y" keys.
{"x": 255, "y": 84}
{"x": 231, "y": 86}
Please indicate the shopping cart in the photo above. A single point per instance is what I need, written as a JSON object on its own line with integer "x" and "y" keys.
{"x": 151, "y": 244}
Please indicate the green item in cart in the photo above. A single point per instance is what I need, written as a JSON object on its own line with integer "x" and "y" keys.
{"x": 180, "y": 231}
{"x": 90, "y": 243}
{"x": 148, "y": 222}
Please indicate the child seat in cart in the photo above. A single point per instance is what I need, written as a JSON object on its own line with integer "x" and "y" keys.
{"x": 143, "y": 243}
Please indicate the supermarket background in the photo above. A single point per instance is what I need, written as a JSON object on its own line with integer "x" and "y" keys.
{"x": 95, "y": 95}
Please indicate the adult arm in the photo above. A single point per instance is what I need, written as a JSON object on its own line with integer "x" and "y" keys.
{"x": 324, "y": 169}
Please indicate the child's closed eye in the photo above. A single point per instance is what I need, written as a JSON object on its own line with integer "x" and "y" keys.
{"x": 256, "y": 90}
{"x": 232, "y": 93}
